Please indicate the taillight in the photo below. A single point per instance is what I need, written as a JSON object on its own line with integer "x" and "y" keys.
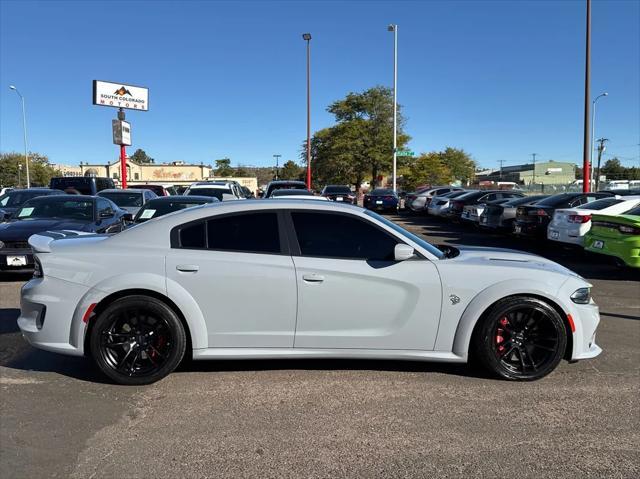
{"x": 579, "y": 218}
{"x": 539, "y": 212}
{"x": 628, "y": 230}
{"x": 457, "y": 205}
{"x": 388, "y": 197}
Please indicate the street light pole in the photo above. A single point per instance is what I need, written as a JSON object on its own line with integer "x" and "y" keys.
{"x": 394, "y": 28}
{"x": 277, "y": 157}
{"x": 307, "y": 38}
{"x": 24, "y": 129}
{"x": 593, "y": 130}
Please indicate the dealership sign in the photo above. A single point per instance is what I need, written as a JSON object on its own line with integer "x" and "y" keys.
{"x": 119, "y": 95}
{"x": 121, "y": 132}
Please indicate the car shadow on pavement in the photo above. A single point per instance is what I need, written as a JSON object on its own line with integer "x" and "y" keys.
{"x": 8, "y": 323}
{"x": 222, "y": 365}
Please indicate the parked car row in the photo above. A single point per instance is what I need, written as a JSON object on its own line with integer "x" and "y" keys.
{"x": 605, "y": 222}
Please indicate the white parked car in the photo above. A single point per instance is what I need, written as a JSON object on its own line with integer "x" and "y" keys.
{"x": 420, "y": 201}
{"x": 570, "y": 225}
{"x": 222, "y": 190}
{"x": 320, "y": 280}
{"x": 439, "y": 204}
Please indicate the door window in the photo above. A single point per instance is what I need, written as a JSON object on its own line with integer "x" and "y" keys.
{"x": 329, "y": 235}
{"x": 193, "y": 236}
{"x": 248, "y": 233}
{"x": 103, "y": 206}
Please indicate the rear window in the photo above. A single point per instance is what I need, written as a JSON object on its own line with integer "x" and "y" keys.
{"x": 633, "y": 211}
{"x": 600, "y": 204}
{"x": 292, "y": 193}
{"x": 213, "y": 192}
{"x": 238, "y": 233}
{"x": 82, "y": 185}
{"x": 556, "y": 200}
{"x": 124, "y": 199}
{"x": 381, "y": 191}
{"x": 337, "y": 190}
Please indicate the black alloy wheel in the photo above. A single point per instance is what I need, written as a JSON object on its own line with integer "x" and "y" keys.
{"x": 521, "y": 338}
{"x": 137, "y": 340}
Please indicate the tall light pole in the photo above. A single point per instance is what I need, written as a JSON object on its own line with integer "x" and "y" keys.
{"x": 24, "y": 129}
{"x": 277, "y": 157}
{"x": 586, "y": 183}
{"x": 593, "y": 129}
{"x": 307, "y": 38}
{"x": 394, "y": 28}
{"x": 534, "y": 167}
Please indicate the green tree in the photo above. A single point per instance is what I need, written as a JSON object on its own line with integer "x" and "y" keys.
{"x": 427, "y": 169}
{"x": 459, "y": 162}
{"x": 241, "y": 171}
{"x": 290, "y": 171}
{"x": 613, "y": 170}
{"x": 223, "y": 167}
{"x": 40, "y": 170}
{"x": 360, "y": 145}
{"x": 140, "y": 156}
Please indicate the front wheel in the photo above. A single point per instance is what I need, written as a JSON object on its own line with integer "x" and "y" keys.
{"x": 521, "y": 339}
{"x": 137, "y": 340}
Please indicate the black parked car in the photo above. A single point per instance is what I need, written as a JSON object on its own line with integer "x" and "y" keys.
{"x": 502, "y": 215}
{"x": 339, "y": 193}
{"x": 54, "y": 213}
{"x": 283, "y": 185}
{"x": 532, "y": 220}
{"x": 381, "y": 199}
{"x": 168, "y": 204}
{"x": 14, "y": 199}
{"x": 81, "y": 185}
{"x": 456, "y": 205}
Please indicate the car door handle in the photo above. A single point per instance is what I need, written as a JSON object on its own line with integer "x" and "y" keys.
{"x": 313, "y": 278}
{"x": 188, "y": 268}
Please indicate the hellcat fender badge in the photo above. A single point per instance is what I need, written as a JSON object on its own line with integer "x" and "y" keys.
{"x": 454, "y": 299}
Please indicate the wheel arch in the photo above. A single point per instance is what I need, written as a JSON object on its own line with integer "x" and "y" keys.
{"x": 480, "y": 306}
{"x": 109, "y": 299}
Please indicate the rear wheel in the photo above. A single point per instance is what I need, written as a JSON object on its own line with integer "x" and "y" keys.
{"x": 520, "y": 338}
{"x": 137, "y": 340}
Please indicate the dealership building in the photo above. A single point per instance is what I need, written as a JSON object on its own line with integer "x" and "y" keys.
{"x": 542, "y": 173}
{"x": 174, "y": 173}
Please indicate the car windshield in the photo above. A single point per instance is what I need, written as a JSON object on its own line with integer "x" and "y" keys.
{"x": 337, "y": 190}
{"x": 124, "y": 198}
{"x": 213, "y": 192}
{"x": 14, "y": 198}
{"x": 52, "y": 207}
{"x": 407, "y": 234}
{"x": 155, "y": 209}
{"x": 633, "y": 211}
{"x": 600, "y": 204}
{"x": 381, "y": 192}
{"x": 292, "y": 193}
{"x": 524, "y": 200}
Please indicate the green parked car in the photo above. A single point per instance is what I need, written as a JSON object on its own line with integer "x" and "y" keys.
{"x": 617, "y": 236}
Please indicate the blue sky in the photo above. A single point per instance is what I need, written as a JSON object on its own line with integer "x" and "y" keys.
{"x": 501, "y": 79}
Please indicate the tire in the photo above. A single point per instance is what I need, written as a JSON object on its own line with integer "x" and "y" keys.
{"x": 520, "y": 339}
{"x": 137, "y": 340}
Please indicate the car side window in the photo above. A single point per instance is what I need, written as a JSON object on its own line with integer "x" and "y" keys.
{"x": 192, "y": 236}
{"x": 490, "y": 197}
{"x": 103, "y": 206}
{"x": 327, "y": 235}
{"x": 247, "y": 233}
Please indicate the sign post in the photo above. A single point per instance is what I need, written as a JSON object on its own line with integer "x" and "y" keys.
{"x": 121, "y": 96}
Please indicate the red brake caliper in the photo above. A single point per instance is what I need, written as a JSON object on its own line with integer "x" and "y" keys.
{"x": 503, "y": 322}
{"x": 161, "y": 342}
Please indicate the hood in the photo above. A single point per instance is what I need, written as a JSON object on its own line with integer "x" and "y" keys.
{"x": 22, "y": 229}
{"x": 485, "y": 257}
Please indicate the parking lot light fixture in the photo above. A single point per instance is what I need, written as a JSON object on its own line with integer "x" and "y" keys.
{"x": 307, "y": 37}
{"x": 24, "y": 130}
{"x": 593, "y": 130}
{"x": 394, "y": 28}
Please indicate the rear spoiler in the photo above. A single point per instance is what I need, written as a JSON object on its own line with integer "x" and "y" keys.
{"x": 41, "y": 242}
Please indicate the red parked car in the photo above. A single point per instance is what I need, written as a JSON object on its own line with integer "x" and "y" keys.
{"x": 160, "y": 190}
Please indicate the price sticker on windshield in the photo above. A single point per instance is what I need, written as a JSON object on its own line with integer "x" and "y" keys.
{"x": 146, "y": 214}
{"x": 25, "y": 212}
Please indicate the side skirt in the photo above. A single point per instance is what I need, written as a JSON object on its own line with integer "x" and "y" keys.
{"x": 292, "y": 353}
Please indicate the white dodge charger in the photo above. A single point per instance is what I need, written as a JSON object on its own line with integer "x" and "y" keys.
{"x": 298, "y": 279}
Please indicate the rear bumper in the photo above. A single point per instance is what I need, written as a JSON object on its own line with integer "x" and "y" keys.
{"x": 563, "y": 235}
{"x": 627, "y": 249}
{"x": 6, "y": 265}
{"x": 536, "y": 230}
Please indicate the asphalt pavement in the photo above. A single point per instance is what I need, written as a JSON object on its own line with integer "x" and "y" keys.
{"x": 328, "y": 418}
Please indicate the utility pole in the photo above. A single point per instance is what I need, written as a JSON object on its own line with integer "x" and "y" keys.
{"x": 394, "y": 28}
{"x": 533, "y": 181}
{"x": 501, "y": 163}
{"x": 277, "y": 157}
{"x": 307, "y": 38}
{"x": 586, "y": 186}
{"x": 601, "y": 149}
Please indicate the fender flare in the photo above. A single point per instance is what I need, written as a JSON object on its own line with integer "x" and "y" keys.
{"x": 141, "y": 282}
{"x": 489, "y": 296}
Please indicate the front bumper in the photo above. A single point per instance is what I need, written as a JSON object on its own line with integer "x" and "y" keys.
{"x": 586, "y": 318}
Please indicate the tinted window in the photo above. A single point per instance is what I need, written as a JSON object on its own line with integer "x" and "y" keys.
{"x": 192, "y": 236}
{"x": 382, "y": 191}
{"x": 16, "y": 198}
{"x": 341, "y": 236}
{"x": 557, "y": 200}
{"x": 103, "y": 204}
{"x": 251, "y": 233}
{"x": 213, "y": 192}
{"x": 81, "y": 184}
{"x": 342, "y": 190}
{"x": 124, "y": 199}
{"x": 56, "y": 208}
{"x": 634, "y": 211}
{"x": 441, "y": 191}
{"x": 292, "y": 193}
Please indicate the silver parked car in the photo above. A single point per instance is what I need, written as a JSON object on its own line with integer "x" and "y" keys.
{"x": 502, "y": 216}
{"x": 130, "y": 200}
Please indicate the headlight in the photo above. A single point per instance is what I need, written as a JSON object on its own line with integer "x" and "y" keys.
{"x": 581, "y": 296}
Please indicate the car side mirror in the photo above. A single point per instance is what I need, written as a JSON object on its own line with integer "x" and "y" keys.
{"x": 127, "y": 217}
{"x": 106, "y": 214}
{"x": 402, "y": 252}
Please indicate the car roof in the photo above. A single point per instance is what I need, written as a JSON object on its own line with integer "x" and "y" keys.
{"x": 287, "y": 182}
{"x": 181, "y": 199}
{"x": 63, "y": 197}
{"x": 218, "y": 186}
{"x": 117, "y": 190}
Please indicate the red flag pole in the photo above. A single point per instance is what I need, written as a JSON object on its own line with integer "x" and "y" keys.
{"x": 123, "y": 165}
